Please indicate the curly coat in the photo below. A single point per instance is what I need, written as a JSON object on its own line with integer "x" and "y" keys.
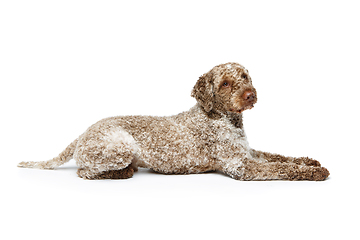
{"x": 208, "y": 137}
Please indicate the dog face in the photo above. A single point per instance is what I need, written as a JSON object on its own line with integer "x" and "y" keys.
{"x": 225, "y": 88}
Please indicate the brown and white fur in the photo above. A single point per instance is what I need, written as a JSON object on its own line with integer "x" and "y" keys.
{"x": 208, "y": 137}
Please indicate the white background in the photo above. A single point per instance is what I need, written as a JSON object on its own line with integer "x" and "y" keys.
{"x": 66, "y": 64}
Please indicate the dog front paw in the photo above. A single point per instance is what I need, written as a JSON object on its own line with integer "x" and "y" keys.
{"x": 321, "y": 174}
{"x": 309, "y": 173}
{"x": 308, "y": 161}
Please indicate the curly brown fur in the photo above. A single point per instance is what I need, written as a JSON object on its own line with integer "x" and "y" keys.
{"x": 208, "y": 137}
{"x": 254, "y": 170}
{"x": 124, "y": 173}
{"x": 269, "y": 157}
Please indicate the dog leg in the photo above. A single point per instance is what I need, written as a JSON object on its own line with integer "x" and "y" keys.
{"x": 270, "y": 157}
{"x": 106, "y": 154}
{"x": 92, "y": 174}
{"x": 88, "y": 173}
{"x": 120, "y": 168}
{"x": 255, "y": 170}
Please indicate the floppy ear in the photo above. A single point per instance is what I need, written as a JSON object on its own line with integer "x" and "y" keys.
{"x": 203, "y": 91}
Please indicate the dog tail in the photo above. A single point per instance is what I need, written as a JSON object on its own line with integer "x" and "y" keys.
{"x": 63, "y": 157}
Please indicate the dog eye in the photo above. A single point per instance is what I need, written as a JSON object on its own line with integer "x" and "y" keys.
{"x": 226, "y": 84}
{"x": 244, "y": 76}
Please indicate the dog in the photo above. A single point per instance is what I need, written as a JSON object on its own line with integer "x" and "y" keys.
{"x": 208, "y": 137}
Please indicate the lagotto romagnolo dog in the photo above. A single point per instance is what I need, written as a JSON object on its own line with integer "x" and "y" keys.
{"x": 208, "y": 137}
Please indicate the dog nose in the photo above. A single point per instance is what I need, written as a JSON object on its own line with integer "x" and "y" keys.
{"x": 248, "y": 95}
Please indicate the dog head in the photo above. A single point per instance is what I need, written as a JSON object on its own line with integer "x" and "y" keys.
{"x": 225, "y": 88}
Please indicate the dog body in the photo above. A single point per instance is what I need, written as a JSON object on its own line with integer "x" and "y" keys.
{"x": 208, "y": 137}
{"x": 193, "y": 143}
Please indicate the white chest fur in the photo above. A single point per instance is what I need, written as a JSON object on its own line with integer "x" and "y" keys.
{"x": 230, "y": 141}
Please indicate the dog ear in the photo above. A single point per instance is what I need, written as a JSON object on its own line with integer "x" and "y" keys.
{"x": 203, "y": 91}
